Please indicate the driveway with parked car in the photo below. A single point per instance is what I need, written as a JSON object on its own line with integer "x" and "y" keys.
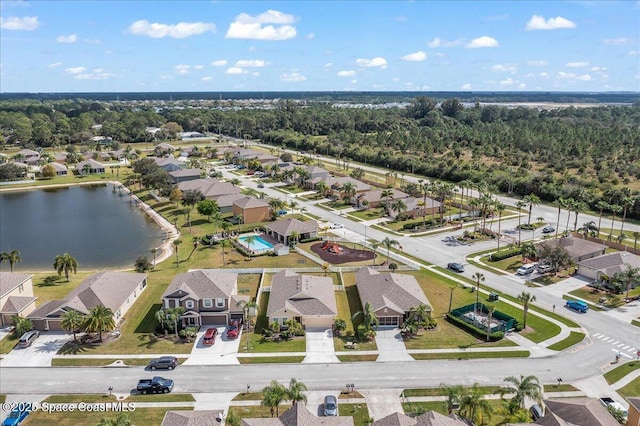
{"x": 223, "y": 352}
{"x": 39, "y": 353}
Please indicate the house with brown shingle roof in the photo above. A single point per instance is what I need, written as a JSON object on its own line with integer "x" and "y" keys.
{"x": 335, "y": 184}
{"x": 299, "y": 415}
{"x": 16, "y": 296}
{"x": 308, "y": 299}
{"x": 375, "y": 199}
{"x": 192, "y": 418}
{"x": 430, "y": 418}
{"x": 391, "y": 296}
{"x": 576, "y": 411}
{"x": 608, "y": 264}
{"x": 28, "y": 156}
{"x": 579, "y": 249}
{"x": 251, "y": 210}
{"x": 209, "y": 297}
{"x": 184, "y": 175}
{"x": 90, "y": 167}
{"x": 213, "y": 189}
{"x": 112, "y": 289}
{"x": 281, "y": 230}
{"x": 61, "y": 169}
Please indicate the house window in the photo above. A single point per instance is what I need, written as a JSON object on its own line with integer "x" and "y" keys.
{"x": 189, "y": 304}
{"x": 207, "y": 303}
{"x": 118, "y": 314}
{"x": 21, "y": 288}
{"x": 219, "y": 303}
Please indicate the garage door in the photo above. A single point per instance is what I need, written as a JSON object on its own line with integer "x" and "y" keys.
{"x": 214, "y": 320}
{"x": 388, "y": 320}
{"x": 54, "y": 325}
{"x": 323, "y": 323}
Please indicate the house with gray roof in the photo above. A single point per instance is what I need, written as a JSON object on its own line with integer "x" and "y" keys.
{"x": 391, "y": 296}
{"x": 576, "y": 411}
{"x": 335, "y": 184}
{"x": 90, "y": 167}
{"x": 299, "y": 415}
{"x": 251, "y": 210}
{"x": 608, "y": 264}
{"x": 169, "y": 164}
{"x": 209, "y": 297}
{"x": 184, "y": 175}
{"x": 192, "y": 418}
{"x": 214, "y": 189}
{"x": 61, "y": 169}
{"x": 16, "y": 296}
{"x": 430, "y": 418}
{"x": 416, "y": 207}
{"x": 375, "y": 199}
{"x": 112, "y": 289}
{"x": 308, "y": 299}
{"x": 28, "y": 156}
{"x": 579, "y": 249}
{"x": 282, "y": 229}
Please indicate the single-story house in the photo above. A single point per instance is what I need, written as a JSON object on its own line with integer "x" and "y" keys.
{"x": 309, "y": 299}
{"x": 576, "y": 411}
{"x": 213, "y": 189}
{"x": 416, "y": 207}
{"x": 184, "y": 175}
{"x": 608, "y": 264}
{"x": 209, "y": 297}
{"x": 430, "y": 418}
{"x": 192, "y": 418}
{"x": 190, "y": 135}
{"x": 282, "y": 229}
{"x": 96, "y": 155}
{"x": 169, "y": 164}
{"x": 335, "y": 184}
{"x": 317, "y": 172}
{"x": 112, "y": 289}
{"x": 251, "y": 210}
{"x": 391, "y": 296}
{"x": 28, "y": 156}
{"x": 60, "y": 157}
{"x": 90, "y": 167}
{"x": 375, "y": 198}
{"x": 61, "y": 169}
{"x": 225, "y": 202}
{"x": 579, "y": 249}
{"x": 16, "y": 296}
{"x": 299, "y": 415}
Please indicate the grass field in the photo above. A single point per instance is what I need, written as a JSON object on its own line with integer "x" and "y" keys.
{"x": 631, "y": 390}
{"x": 359, "y": 412}
{"x": 141, "y": 416}
{"x": 619, "y": 372}
{"x": 564, "y": 387}
{"x": 91, "y": 398}
{"x": 471, "y": 355}
{"x": 486, "y": 390}
{"x": 271, "y": 360}
{"x": 573, "y": 339}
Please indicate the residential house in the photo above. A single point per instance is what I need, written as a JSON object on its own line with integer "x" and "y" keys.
{"x": 16, "y": 296}
{"x": 184, "y": 175}
{"x": 299, "y": 415}
{"x": 317, "y": 172}
{"x": 576, "y": 411}
{"x": 579, "y": 249}
{"x": 112, "y": 289}
{"x": 391, "y": 296}
{"x": 192, "y": 418}
{"x": 375, "y": 199}
{"x": 430, "y": 418}
{"x": 243, "y": 155}
{"x": 608, "y": 265}
{"x": 251, "y": 210}
{"x": 60, "y": 157}
{"x": 209, "y": 297}
{"x": 169, "y": 164}
{"x": 28, "y": 156}
{"x": 190, "y": 135}
{"x": 61, "y": 169}
{"x": 164, "y": 149}
{"x": 416, "y": 207}
{"x": 96, "y": 155}
{"x": 308, "y": 299}
{"x": 90, "y": 167}
{"x": 225, "y": 202}
{"x": 633, "y": 416}
{"x": 224, "y": 193}
{"x": 335, "y": 184}
{"x": 282, "y": 229}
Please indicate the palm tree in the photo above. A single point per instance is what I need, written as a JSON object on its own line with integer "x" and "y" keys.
{"x": 12, "y": 257}
{"x": 570, "y": 202}
{"x": 348, "y": 190}
{"x": 322, "y": 188}
{"x": 525, "y": 298}
{"x": 602, "y": 205}
{"x": 122, "y": 419}
{"x": 388, "y": 243}
{"x": 296, "y": 390}
{"x": 531, "y": 200}
{"x": 478, "y": 276}
{"x": 522, "y": 388}
{"x": 474, "y": 406}
{"x": 500, "y": 207}
{"x": 560, "y": 203}
{"x": 387, "y": 194}
{"x": 100, "y": 319}
{"x": 424, "y": 188}
{"x": 369, "y": 317}
{"x": 293, "y": 205}
{"x": 528, "y": 250}
{"x": 294, "y": 237}
{"x": 65, "y": 262}
{"x": 71, "y": 321}
{"x": 176, "y": 243}
{"x": 273, "y": 395}
{"x": 519, "y": 205}
{"x": 629, "y": 276}
{"x": 626, "y": 203}
{"x": 453, "y": 394}
{"x": 223, "y": 245}
{"x": 247, "y": 309}
{"x": 614, "y": 209}
{"x": 154, "y": 251}
{"x": 490, "y": 310}
{"x": 374, "y": 246}
{"x": 577, "y": 206}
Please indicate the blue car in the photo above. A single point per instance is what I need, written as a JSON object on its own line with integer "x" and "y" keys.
{"x": 578, "y": 305}
{"x": 17, "y": 415}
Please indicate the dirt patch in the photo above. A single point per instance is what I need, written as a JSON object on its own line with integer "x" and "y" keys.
{"x": 337, "y": 254}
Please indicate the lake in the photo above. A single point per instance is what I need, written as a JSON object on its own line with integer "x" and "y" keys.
{"x": 97, "y": 226}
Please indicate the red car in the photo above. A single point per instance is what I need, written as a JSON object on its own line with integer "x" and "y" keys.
{"x": 209, "y": 337}
{"x": 233, "y": 330}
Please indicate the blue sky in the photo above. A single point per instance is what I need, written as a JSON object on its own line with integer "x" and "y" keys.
{"x": 139, "y": 46}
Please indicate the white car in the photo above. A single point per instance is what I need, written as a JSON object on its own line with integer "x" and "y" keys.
{"x": 336, "y": 226}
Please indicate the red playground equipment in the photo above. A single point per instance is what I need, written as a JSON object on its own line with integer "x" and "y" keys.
{"x": 331, "y": 247}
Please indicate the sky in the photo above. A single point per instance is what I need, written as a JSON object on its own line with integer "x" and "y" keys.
{"x": 174, "y": 46}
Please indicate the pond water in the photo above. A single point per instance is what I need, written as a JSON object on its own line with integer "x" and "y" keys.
{"x": 93, "y": 223}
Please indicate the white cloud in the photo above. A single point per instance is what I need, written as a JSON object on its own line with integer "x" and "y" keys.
{"x": 581, "y": 64}
{"x": 537, "y": 22}
{"x": 544, "y": 74}
{"x": 511, "y": 68}
{"x": 207, "y": 78}
{"x": 75, "y": 70}
{"x": 328, "y": 65}
{"x": 219, "y": 63}
{"x": 598, "y": 69}
{"x": 584, "y": 77}
{"x": 371, "y": 63}
{"x": 55, "y": 65}
{"x": 353, "y": 81}
{"x": 346, "y": 73}
{"x": 255, "y": 73}
{"x": 198, "y": 67}
{"x": 508, "y": 82}
{"x": 540, "y": 63}
{"x": 566, "y": 75}
{"x": 415, "y": 56}
{"x": 71, "y": 38}
{"x": 438, "y": 42}
{"x": 622, "y": 41}
{"x": 28, "y": 23}
{"x": 311, "y": 36}
{"x": 293, "y": 77}
{"x": 236, "y": 70}
{"x": 179, "y": 30}
{"x": 633, "y": 53}
{"x": 95, "y": 74}
{"x": 466, "y": 86}
{"x": 182, "y": 69}
{"x": 246, "y": 26}
{"x": 484, "y": 41}
{"x": 250, "y": 63}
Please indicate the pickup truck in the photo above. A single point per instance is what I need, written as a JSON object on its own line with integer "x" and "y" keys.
{"x": 155, "y": 385}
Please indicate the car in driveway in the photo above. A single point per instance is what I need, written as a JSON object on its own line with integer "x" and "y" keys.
{"x": 261, "y": 185}
{"x": 454, "y": 266}
{"x": 330, "y": 406}
{"x": 17, "y": 415}
{"x": 233, "y": 330}
{"x": 209, "y": 337}
{"x": 28, "y": 338}
{"x": 526, "y": 269}
{"x": 543, "y": 268}
{"x": 163, "y": 363}
{"x": 548, "y": 229}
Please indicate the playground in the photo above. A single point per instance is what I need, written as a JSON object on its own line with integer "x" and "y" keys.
{"x": 336, "y": 254}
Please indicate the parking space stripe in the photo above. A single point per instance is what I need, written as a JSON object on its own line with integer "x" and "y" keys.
{"x": 625, "y": 348}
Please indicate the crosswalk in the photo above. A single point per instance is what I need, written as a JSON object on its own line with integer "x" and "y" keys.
{"x": 618, "y": 345}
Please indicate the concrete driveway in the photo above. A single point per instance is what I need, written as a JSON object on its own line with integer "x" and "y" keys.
{"x": 390, "y": 345}
{"x": 320, "y": 346}
{"x": 39, "y": 354}
{"x": 222, "y": 352}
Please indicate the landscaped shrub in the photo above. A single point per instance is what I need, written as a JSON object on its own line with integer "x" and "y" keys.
{"x": 309, "y": 240}
{"x": 475, "y": 331}
{"x": 500, "y": 255}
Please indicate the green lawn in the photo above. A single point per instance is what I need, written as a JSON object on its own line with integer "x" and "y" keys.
{"x": 619, "y": 372}
{"x": 564, "y": 387}
{"x": 510, "y": 264}
{"x": 357, "y": 358}
{"x": 494, "y": 420}
{"x": 359, "y": 412}
{"x": 255, "y": 411}
{"x": 368, "y": 214}
{"x": 632, "y": 389}
{"x": 248, "y": 396}
{"x": 141, "y": 416}
{"x": 594, "y": 295}
{"x": 471, "y": 355}
{"x": 271, "y": 359}
{"x": 486, "y": 390}
{"x": 348, "y": 302}
{"x": 8, "y": 343}
{"x": 100, "y": 362}
{"x": 76, "y": 398}
{"x": 573, "y": 339}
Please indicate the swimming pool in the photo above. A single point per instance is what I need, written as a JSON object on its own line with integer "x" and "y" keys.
{"x": 257, "y": 244}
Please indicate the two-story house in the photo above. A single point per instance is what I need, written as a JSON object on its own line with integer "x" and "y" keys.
{"x": 16, "y": 296}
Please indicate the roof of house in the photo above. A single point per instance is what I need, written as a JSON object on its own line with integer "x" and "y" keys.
{"x": 163, "y": 145}
{"x": 375, "y": 195}
{"x": 58, "y": 167}
{"x": 285, "y": 227}
{"x": 28, "y": 152}
{"x": 413, "y": 203}
{"x": 202, "y": 284}
{"x": 302, "y": 294}
{"x": 611, "y": 263}
{"x": 210, "y": 188}
{"x": 398, "y": 292}
{"x": 15, "y": 304}
{"x": 315, "y": 170}
{"x": 185, "y": 172}
{"x": 635, "y": 402}
{"x": 250, "y": 203}
{"x": 163, "y": 161}
{"x": 192, "y": 418}
{"x": 576, "y": 411}
{"x": 577, "y": 247}
{"x": 338, "y": 182}
{"x": 299, "y": 415}
{"x": 107, "y": 288}
{"x": 227, "y": 200}
{"x": 11, "y": 280}
{"x": 91, "y": 162}
{"x": 430, "y": 418}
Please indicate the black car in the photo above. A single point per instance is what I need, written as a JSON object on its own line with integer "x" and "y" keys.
{"x": 455, "y": 267}
{"x": 164, "y": 363}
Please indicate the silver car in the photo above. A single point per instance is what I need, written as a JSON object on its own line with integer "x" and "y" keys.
{"x": 330, "y": 405}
